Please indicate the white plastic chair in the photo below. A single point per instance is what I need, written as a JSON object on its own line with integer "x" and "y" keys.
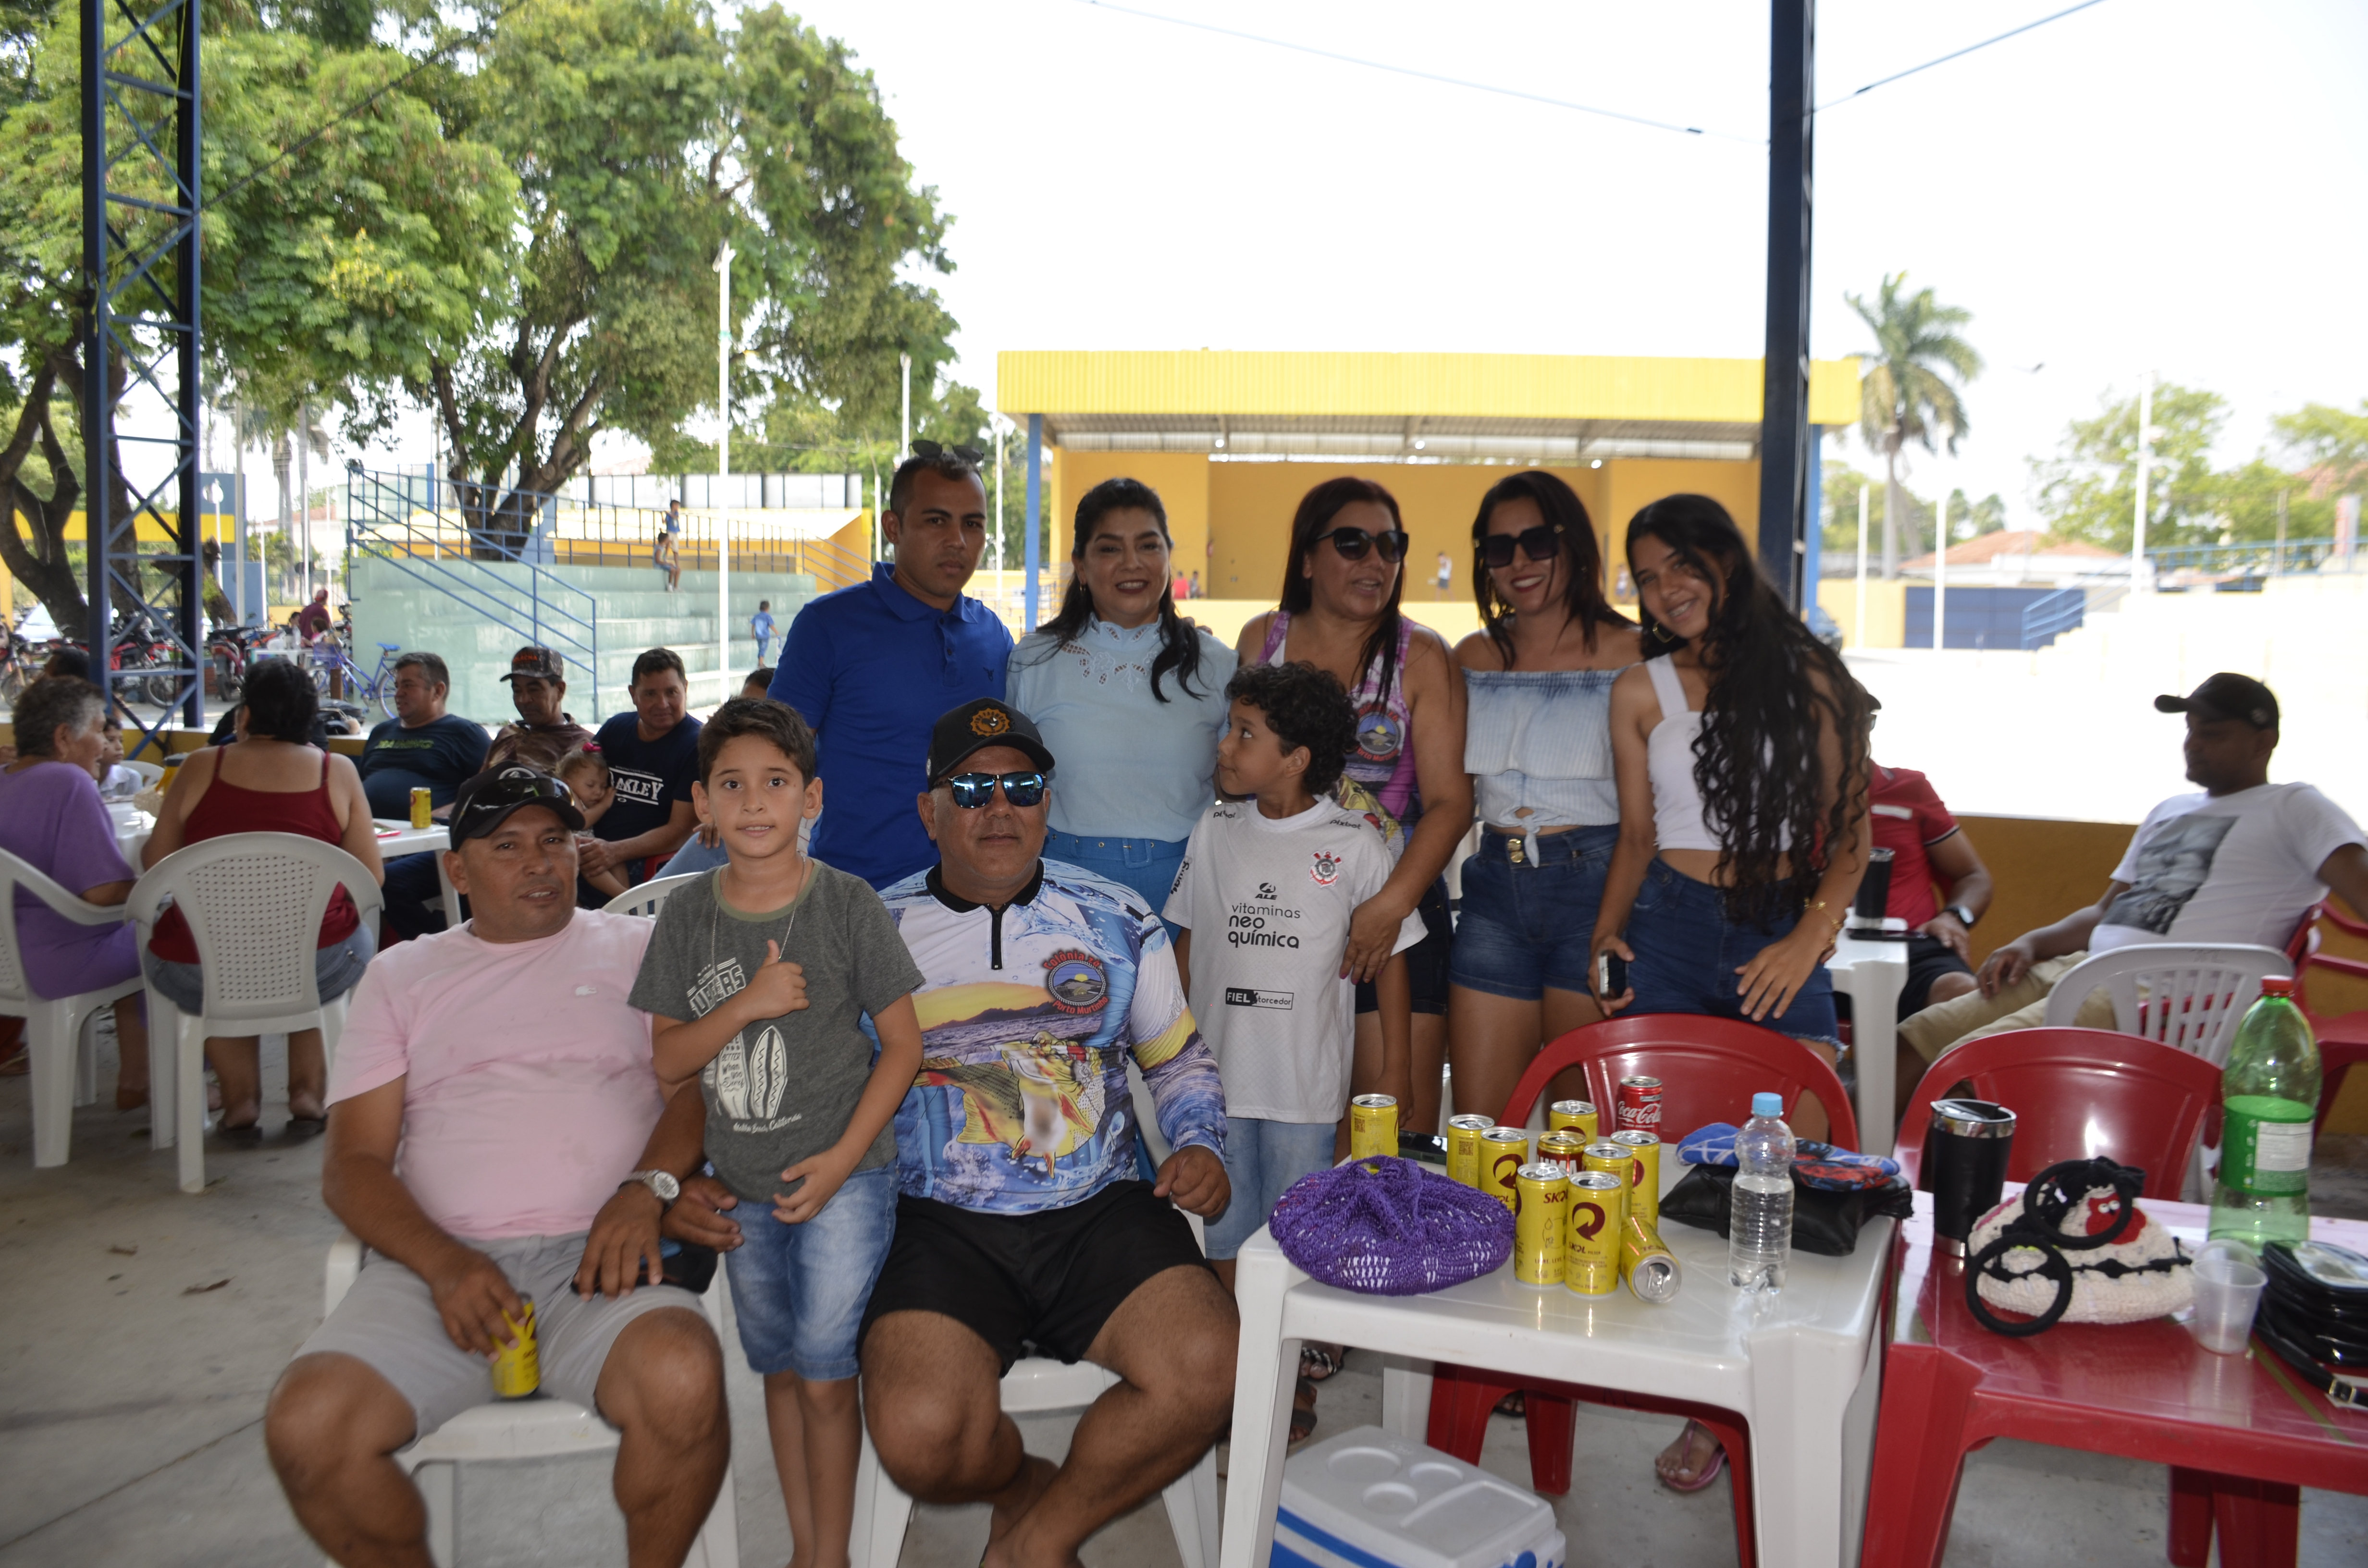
{"x": 651, "y": 896}
{"x": 151, "y": 773}
{"x": 2183, "y": 994}
{"x": 254, "y": 901}
{"x": 530, "y": 1428}
{"x": 63, "y": 1054}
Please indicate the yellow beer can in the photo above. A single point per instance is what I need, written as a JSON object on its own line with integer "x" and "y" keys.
{"x": 1541, "y": 1224}
{"x": 1650, "y": 1267}
{"x": 1503, "y": 1152}
{"x": 1463, "y": 1148}
{"x": 1564, "y": 1149}
{"x": 1591, "y": 1259}
{"x": 423, "y": 806}
{"x": 1617, "y": 1159}
{"x": 1372, "y": 1126}
{"x": 1645, "y": 1185}
{"x": 517, "y": 1370}
{"x": 1576, "y": 1116}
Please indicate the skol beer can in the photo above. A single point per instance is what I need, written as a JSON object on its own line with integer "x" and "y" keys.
{"x": 1650, "y": 1268}
{"x": 422, "y": 806}
{"x": 1372, "y": 1126}
{"x": 1575, "y": 1116}
{"x": 1591, "y": 1259}
{"x": 1463, "y": 1148}
{"x": 1503, "y": 1152}
{"x": 1644, "y": 1185}
{"x": 517, "y": 1370}
{"x": 1613, "y": 1159}
{"x": 1564, "y": 1149}
{"x": 1541, "y": 1224}
{"x": 1639, "y": 1108}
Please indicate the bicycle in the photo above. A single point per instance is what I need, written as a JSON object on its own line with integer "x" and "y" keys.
{"x": 377, "y": 687}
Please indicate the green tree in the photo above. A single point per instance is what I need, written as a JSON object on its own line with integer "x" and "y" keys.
{"x": 2331, "y": 441}
{"x": 1971, "y": 519}
{"x": 2089, "y": 489}
{"x": 1905, "y": 394}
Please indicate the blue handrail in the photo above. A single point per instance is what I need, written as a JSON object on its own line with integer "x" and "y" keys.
{"x": 2049, "y": 616}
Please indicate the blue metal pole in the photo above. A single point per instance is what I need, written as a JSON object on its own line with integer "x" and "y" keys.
{"x": 1812, "y": 557}
{"x": 1035, "y": 510}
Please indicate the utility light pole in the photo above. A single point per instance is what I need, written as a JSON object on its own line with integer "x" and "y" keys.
{"x": 905, "y": 417}
{"x": 1860, "y": 627}
{"x": 1941, "y": 575}
{"x": 724, "y": 472}
{"x": 2138, "y": 521}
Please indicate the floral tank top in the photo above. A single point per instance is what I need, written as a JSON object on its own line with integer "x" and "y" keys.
{"x": 1379, "y": 777}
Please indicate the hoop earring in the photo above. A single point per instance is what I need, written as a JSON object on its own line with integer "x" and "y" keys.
{"x": 1661, "y": 635}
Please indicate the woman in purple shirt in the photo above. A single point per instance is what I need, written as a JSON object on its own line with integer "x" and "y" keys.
{"x": 51, "y": 819}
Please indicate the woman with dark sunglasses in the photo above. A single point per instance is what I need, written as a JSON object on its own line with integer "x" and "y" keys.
{"x": 1130, "y": 692}
{"x": 1538, "y": 749}
{"x": 1341, "y": 587}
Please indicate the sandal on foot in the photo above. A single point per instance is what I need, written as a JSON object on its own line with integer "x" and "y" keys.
{"x": 1302, "y": 1412}
{"x": 1708, "y": 1473}
{"x": 1514, "y": 1405}
{"x": 1317, "y": 1362}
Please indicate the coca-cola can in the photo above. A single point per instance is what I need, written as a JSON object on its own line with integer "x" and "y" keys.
{"x": 1639, "y": 1107}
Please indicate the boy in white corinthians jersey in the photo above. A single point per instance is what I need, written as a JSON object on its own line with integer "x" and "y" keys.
{"x": 1268, "y": 885}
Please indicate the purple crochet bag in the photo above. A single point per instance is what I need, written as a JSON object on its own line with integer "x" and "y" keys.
{"x": 1387, "y": 1227}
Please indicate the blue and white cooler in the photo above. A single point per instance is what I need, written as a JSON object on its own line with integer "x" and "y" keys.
{"x": 1367, "y": 1499}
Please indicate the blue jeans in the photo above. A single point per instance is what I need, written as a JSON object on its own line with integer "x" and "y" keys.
{"x": 1688, "y": 952}
{"x": 1145, "y": 865}
{"x": 800, "y": 1291}
{"x": 1262, "y": 1159}
{"x": 1524, "y": 927}
{"x": 336, "y": 969}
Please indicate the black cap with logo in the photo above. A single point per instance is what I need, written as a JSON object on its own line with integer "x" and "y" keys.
{"x": 2227, "y": 696}
{"x": 976, "y": 725}
{"x": 537, "y": 663}
{"x": 487, "y": 800}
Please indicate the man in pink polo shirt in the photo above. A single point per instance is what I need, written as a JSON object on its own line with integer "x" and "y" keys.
{"x": 491, "y": 1093}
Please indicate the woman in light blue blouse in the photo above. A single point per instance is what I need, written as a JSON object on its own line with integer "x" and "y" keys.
{"x": 1129, "y": 696}
{"x": 1538, "y": 745}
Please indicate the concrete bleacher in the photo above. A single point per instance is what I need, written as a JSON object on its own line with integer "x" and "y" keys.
{"x": 633, "y": 612}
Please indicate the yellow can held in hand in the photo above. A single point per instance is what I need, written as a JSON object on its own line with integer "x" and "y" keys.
{"x": 1372, "y": 1126}
{"x": 1463, "y": 1148}
{"x": 1541, "y": 1224}
{"x": 1591, "y": 1259}
{"x": 518, "y": 1370}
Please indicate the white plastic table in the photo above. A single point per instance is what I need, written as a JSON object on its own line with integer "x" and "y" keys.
{"x": 396, "y": 837}
{"x": 1804, "y": 1370}
{"x": 1871, "y": 974}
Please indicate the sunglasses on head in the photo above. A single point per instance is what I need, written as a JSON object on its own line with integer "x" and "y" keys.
{"x": 1539, "y": 543}
{"x": 973, "y": 790}
{"x": 518, "y": 793}
{"x": 932, "y": 451}
{"x": 1353, "y": 543}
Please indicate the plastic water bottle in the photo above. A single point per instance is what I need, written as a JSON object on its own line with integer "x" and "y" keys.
{"x": 2268, "y": 1095}
{"x": 1759, "y": 1230}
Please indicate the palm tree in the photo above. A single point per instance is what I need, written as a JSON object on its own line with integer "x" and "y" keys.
{"x": 1905, "y": 396}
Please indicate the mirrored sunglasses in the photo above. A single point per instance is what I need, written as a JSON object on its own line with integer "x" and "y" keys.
{"x": 973, "y": 790}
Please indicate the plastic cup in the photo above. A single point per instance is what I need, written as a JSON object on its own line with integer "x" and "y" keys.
{"x": 2227, "y": 1289}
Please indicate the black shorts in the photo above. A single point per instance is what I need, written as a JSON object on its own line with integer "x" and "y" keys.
{"x": 1426, "y": 960}
{"x": 1928, "y": 959}
{"x": 1041, "y": 1283}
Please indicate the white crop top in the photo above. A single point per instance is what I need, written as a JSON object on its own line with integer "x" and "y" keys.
{"x": 1669, "y": 757}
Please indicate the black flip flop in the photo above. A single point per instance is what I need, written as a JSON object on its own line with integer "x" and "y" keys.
{"x": 247, "y": 1135}
{"x": 302, "y": 1127}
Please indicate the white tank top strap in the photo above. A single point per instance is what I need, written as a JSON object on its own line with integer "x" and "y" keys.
{"x": 1668, "y": 687}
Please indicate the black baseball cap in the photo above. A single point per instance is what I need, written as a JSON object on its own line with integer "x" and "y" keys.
{"x": 976, "y": 725}
{"x": 489, "y": 799}
{"x": 2227, "y": 696}
{"x": 537, "y": 663}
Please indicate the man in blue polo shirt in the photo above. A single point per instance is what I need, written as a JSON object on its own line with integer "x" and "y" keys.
{"x": 870, "y": 667}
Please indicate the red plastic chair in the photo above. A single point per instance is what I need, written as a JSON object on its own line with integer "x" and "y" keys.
{"x": 2343, "y": 1038}
{"x": 1709, "y": 1069}
{"x": 2076, "y": 1094}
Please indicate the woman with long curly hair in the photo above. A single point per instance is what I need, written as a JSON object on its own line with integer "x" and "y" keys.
{"x": 1740, "y": 747}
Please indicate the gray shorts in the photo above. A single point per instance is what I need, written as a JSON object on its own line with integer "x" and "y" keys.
{"x": 388, "y": 1320}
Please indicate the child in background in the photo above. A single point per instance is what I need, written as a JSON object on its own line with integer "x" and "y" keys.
{"x": 586, "y": 774}
{"x": 758, "y": 978}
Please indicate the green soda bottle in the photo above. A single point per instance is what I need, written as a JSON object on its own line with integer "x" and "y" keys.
{"x": 2268, "y": 1096}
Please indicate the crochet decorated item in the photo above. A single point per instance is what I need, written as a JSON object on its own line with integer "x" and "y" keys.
{"x": 1387, "y": 1227}
{"x": 2075, "y": 1247}
{"x": 1815, "y": 1165}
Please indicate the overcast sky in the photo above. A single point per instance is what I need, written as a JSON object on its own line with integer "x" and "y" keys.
{"x": 2149, "y": 184}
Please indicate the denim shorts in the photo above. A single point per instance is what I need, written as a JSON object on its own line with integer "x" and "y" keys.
{"x": 1262, "y": 1159}
{"x": 1525, "y": 927}
{"x": 800, "y": 1291}
{"x": 1427, "y": 960}
{"x": 1147, "y": 867}
{"x": 336, "y": 969}
{"x": 1687, "y": 952}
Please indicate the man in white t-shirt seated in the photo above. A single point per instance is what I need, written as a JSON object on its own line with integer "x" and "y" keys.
{"x": 491, "y": 1093}
{"x": 2242, "y": 862}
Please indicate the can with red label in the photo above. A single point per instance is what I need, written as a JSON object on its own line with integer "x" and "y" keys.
{"x": 1639, "y": 1107}
{"x": 1503, "y": 1152}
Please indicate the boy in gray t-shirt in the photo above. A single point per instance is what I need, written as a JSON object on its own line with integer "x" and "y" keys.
{"x": 758, "y": 980}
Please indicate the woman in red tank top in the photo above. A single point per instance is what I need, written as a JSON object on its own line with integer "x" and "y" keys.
{"x": 270, "y": 780}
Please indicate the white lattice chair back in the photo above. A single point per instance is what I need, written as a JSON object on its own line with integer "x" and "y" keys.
{"x": 15, "y": 873}
{"x": 253, "y": 902}
{"x": 2183, "y": 995}
{"x": 62, "y": 1061}
{"x": 651, "y": 896}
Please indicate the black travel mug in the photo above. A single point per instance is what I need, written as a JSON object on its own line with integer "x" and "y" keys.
{"x": 1964, "y": 1166}
{"x": 1873, "y": 892}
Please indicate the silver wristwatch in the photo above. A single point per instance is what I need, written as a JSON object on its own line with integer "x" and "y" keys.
{"x": 661, "y": 1185}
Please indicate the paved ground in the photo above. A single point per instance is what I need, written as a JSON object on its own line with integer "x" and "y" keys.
{"x": 144, "y": 1328}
